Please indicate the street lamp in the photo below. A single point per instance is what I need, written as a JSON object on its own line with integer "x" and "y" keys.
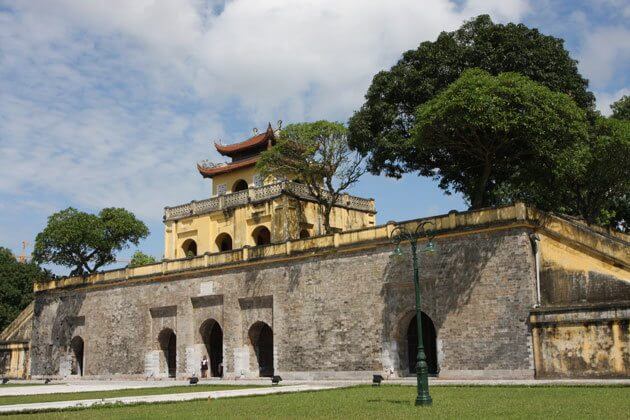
{"x": 398, "y": 235}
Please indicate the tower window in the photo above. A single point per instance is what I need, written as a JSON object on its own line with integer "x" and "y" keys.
{"x": 239, "y": 185}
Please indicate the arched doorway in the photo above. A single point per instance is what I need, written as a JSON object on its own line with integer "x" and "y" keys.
{"x": 304, "y": 234}
{"x": 77, "y": 347}
{"x": 261, "y": 339}
{"x": 239, "y": 185}
{"x": 190, "y": 248}
{"x": 224, "y": 242}
{"x": 168, "y": 344}
{"x": 212, "y": 337}
{"x": 429, "y": 339}
{"x": 261, "y": 236}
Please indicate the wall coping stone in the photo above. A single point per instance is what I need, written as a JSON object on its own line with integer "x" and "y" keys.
{"x": 613, "y": 250}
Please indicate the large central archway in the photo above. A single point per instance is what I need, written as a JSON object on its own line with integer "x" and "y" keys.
{"x": 429, "y": 339}
{"x": 168, "y": 344}
{"x": 261, "y": 339}
{"x": 212, "y": 337}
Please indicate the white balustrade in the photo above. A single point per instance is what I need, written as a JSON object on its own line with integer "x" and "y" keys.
{"x": 265, "y": 192}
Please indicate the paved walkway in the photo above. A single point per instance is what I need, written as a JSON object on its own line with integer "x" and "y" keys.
{"x": 57, "y": 405}
{"x": 37, "y": 387}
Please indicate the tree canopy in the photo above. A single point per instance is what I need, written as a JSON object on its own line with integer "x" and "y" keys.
{"x": 484, "y": 131}
{"x": 621, "y": 108}
{"x": 139, "y": 258}
{"x": 319, "y": 156}
{"x": 85, "y": 242}
{"x": 16, "y": 285}
{"x": 382, "y": 127}
{"x": 598, "y": 190}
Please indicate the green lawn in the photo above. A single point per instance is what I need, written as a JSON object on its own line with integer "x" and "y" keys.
{"x": 25, "y": 399}
{"x": 390, "y": 401}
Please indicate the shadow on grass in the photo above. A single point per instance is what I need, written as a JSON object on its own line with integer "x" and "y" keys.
{"x": 405, "y": 402}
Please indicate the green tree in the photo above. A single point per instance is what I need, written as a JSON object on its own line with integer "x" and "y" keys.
{"x": 139, "y": 258}
{"x": 16, "y": 285}
{"x": 621, "y": 108}
{"x": 483, "y": 132}
{"x": 591, "y": 184}
{"x": 383, "y": 125}
{"x": 319, "y": 156}
{"x": 599, "y": 190}
{"x": 86, "y": 242}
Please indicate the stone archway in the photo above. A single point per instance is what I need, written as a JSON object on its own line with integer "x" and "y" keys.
{"x": 168, "y": 344}
{"x": 77, "y": 346}
{"x": 212, "y": 337}
{"x": 261, "y": 236}
{"x": 224, "y": 242}
{"x": 429, "y": 338}
{"x": 189, "y": 248}
{"x": 261, "y": 339}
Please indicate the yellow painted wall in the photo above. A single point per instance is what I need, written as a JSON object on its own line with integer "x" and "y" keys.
{"x": 558, "y": 254}
{"x": 229, "y": 179}
{"x": 284, "y": 217}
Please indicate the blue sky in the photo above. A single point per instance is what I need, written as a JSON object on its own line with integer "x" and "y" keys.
{"x": 111, "y": 103}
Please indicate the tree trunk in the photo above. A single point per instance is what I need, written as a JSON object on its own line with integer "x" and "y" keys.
{"x": 479, "y": 198}
{"x": 327, "y": 211}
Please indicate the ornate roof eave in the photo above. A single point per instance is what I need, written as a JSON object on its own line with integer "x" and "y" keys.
{"x": 262, "y": 139}
{"x": 212, "y": 171}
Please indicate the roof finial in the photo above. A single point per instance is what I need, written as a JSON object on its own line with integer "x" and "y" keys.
{"x": 279, "y": 124}
{"x": 255, "y": 131}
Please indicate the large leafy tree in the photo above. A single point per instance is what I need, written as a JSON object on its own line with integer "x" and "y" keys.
{"x": 85, "y": 242}
{"x": 484, "y": 132}
{"x": 621, "y": 108}
{"x": 16, "y": 285}
{"x": 383, "y": 125}
{"x": 319, "y": 156}
{"x": 598, "y": 189}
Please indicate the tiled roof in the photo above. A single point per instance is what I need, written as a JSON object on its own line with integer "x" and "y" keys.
{"x": 221, "y": 169}
{"x": 258, "y": 141}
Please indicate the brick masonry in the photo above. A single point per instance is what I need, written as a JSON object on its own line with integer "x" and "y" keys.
{"x": 333, "y": 314}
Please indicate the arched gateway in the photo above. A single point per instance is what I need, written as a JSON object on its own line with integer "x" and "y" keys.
{"x": 168, "y": 344}
{"x": 429, "y": 339}
{"x": 261, "y": 339}
{"x": 212, "y": 337}
{"x": 77, "y": 347}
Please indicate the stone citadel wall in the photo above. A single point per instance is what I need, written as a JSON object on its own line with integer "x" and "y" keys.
{"x": 334, "y": 314}
{"x": 338, "y": 305}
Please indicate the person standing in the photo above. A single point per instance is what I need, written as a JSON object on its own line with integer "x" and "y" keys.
{"x": 204, "y": 367}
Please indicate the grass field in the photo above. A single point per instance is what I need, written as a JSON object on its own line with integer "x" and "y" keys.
{"x": 71, "y": 396}
{"x": 389, "y": 401}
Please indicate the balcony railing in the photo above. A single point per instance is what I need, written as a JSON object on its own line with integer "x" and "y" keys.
{"x": 257, "y": 194}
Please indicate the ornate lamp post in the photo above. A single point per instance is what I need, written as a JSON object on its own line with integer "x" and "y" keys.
{"x": 400, "y": 234}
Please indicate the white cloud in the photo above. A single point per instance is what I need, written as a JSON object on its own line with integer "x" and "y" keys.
{"x": 112, "y": 102}
{"x": 605, "y": 99}
{"x": 605, "y": 54}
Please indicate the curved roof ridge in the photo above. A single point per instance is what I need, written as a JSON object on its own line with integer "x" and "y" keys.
{"x": 251, "y": 143}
